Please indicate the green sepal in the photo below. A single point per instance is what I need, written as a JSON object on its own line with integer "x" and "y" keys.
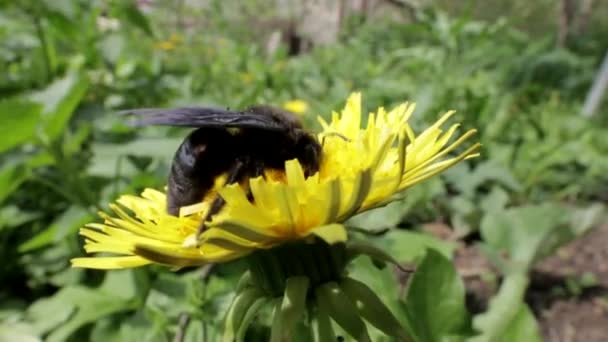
{"x": 372, "y": 309}
{"x": 240, "y": 305}
{"x": 323, "y": 331}
{"x": 248, "y": 318}
{"x": 342, "y": 310}
{"x": 291, "y": 309}
{"x": 244, "y": 282}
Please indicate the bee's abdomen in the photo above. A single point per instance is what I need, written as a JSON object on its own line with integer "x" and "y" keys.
{"x": 203, "y": 156}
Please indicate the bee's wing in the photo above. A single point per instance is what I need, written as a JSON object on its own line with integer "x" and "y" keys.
{"x": 202, "y": 117}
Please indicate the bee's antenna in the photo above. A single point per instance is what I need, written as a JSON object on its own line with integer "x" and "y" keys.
{"x": 334, "y": 134}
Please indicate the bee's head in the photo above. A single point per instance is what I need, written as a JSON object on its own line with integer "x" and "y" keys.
{"x": 308, "y": 151}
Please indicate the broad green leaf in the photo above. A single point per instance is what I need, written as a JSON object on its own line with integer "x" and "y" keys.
{"x": 388, "y": 216}
{"x": 60, "y": 100}
{"x": 74, "y": 306}
{"x": 136, "y": 17}
{"x": 63, "y": 226}
{"x": 12, "y": 216}
{"x": 127, "y": 284}
{"x": 195, "y": 331}
{"x": 494, "y": 171}
{"x": 581, "y": 220}
{"x": 435, "y": 301}
{"x": 467, "y": 181}
{"x": 523, "y": 327}
{"x": 393, "y": 213}
{"x": 105, "y": 329}
{"x": 139, "y": 327}
{"x": 17, "y": 169}
{"x": 409, "y": 246}
{"x": 496, "y": 200}
{"x": 112, "y": 46}
{"x": 505, "y": 313}
{"x": 585, "y": 218}
{"x": 11, "y": 178}
{"x": 13, "y": 331}
{"x": 90, "y": 306}
{"x": 523, "y": 231}
{"x": 18, "y": 121}
{"x": 109, "y": 158}
{"x": 47, "y": 313}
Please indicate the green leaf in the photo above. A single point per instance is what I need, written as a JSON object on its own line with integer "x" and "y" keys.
{"x": 127, "y": 284}
{"x": 60, "y": 100}
{"x": 467, "y": 181}
{"x": 48, "y": 313}
{"x": 12, "y": 216}
{"x": 409, "y": 246}
{"x": 18, "y": 121}
{"x": 523, "y": 327}
{"x": 11, "y": 178}
{"x": 388, "y": 216}
{"x": 505, "y": 314}
{"x": 496, "y": 200}
{"x": 525, "y": 232}
{"x": 135, "y": 17}
{"x": 195, "y": 331}
{"x": 387, "y": 284}
{"x": 18, "y": 168}
{"x": 107, "y": 157}
{"x": 63, "y": 226}
{"x": 435, "y": 301}
{"x": 71, "y": 308}
{"x": 11, "y": 331}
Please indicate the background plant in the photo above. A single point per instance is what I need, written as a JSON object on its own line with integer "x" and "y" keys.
{"x": 67, "y": 66}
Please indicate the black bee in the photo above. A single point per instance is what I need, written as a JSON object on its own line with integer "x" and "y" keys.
{"x": 241, "y": 144}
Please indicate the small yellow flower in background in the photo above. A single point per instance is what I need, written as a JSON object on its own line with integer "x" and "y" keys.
{"x": 362, "y": 168}
{"x": 296, "y": 106}
{"x": 246, "y": 77}
{"x": 169, "y": 44}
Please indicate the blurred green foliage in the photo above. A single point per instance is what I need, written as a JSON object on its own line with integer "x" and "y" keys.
{"x": 67, "y": 66}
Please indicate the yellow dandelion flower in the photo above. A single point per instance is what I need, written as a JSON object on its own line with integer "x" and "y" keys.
{"x": 246, "y": 77}
{"x": 169, "y": 44}
{"x": 362, "y": 168}
{"x": 296, "y": 106}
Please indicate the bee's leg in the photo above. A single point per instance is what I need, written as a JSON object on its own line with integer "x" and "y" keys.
{"x": 257, "y": 169}
{"x": 235, "y": 173}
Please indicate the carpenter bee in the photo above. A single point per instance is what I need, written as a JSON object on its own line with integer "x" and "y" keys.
{"x": 240, "y": 144}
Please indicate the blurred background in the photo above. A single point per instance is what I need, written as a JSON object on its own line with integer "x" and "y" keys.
{"x": 518, "y": 71}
